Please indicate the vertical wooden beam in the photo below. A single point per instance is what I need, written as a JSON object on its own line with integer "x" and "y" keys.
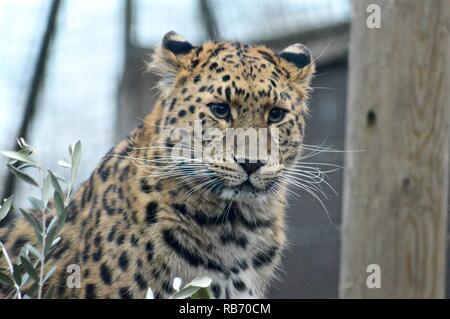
{"x": 209, "y": 20}
{"x": 128, "y": 28}
{"x": 395, "y": 202}
{"x": 127, "y": 109}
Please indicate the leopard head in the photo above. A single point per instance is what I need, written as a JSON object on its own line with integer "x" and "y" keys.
{"x": 232, "y": 116}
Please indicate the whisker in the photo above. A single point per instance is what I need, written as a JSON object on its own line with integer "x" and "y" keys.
{"x": 315, "y": 196}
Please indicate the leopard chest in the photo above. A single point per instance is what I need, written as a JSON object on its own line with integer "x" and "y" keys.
{"x": 240, "y": 260}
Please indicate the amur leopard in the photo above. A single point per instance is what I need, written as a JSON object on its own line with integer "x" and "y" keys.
{"x": 144, "y": 218}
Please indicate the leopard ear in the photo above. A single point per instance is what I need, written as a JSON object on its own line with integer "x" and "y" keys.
{"x": 176, "y": 44}
{"x": 299, "y": 56}
{"x": 173, "y": 55}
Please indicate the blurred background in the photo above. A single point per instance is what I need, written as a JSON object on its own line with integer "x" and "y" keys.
{"x": 73, "y": 70}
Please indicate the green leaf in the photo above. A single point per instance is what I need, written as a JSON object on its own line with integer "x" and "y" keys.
{"x": 6, "y": 207}
{"x": 58, "y": 201}
{"x": 202, "y": 282}
{"x": 49, "y": 273}
{"x": 56, "y": 241}
{"x": 56, "y": 184}
{"x": 50, "y": 252}
{"x": 149, "y": 294}
{"x": 46, "y": 190}
{"x": 23, "y": 166}
{"x": 176, "y": 283}
{"x": 34, "y": 251}
{"x": 76, "y": 156}
{"x": 17, "y": 274}
{"x": 61, "y": 212}
{"x": 51, "y": 233}
{"x": 193, "y": 287}
{"x": 202, "y": 293}
{"x": 64, "y": 163}
{"x": 60, "y": 178}
{"x": 50, "y": 292}
{"x": 23, "y": 176}
{"x": 19, "y": 156}
{"x": 51, "y": 226}
{"x": 29, "y": 268}
{"x": 33, "y": 222}
{"x": 186, "y": 292}
{"x": 33, "y": 290}
{"x": 36, "y": 203}
{"x": 61, "y": 221}
{"x": 6, "y": 279}
{"x": 24, "y": 251}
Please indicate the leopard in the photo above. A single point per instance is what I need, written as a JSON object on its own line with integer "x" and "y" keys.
{"x": 145, "y": 217}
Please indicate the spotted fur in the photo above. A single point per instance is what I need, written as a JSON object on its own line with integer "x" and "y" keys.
{"x": 129, "y": 229}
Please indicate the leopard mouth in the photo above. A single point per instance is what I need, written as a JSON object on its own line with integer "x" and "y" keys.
{"x": 247, "y": 187}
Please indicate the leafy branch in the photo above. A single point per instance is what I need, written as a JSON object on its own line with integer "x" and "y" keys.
{"x": 198, "y": 288}
{"x": 27, "y": 276}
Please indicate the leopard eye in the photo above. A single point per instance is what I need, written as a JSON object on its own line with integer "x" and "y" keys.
{"x": 276, "y": 115}
{"x": 220, "y": 110}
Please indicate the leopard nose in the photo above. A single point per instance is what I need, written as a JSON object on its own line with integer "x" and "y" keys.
{"x": 251, "y": 167}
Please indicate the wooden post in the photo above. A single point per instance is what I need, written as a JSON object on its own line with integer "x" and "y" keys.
{"x": 395, "y": 201}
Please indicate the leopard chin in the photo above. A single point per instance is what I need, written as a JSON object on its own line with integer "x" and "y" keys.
{"x": 246, "y": 193}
